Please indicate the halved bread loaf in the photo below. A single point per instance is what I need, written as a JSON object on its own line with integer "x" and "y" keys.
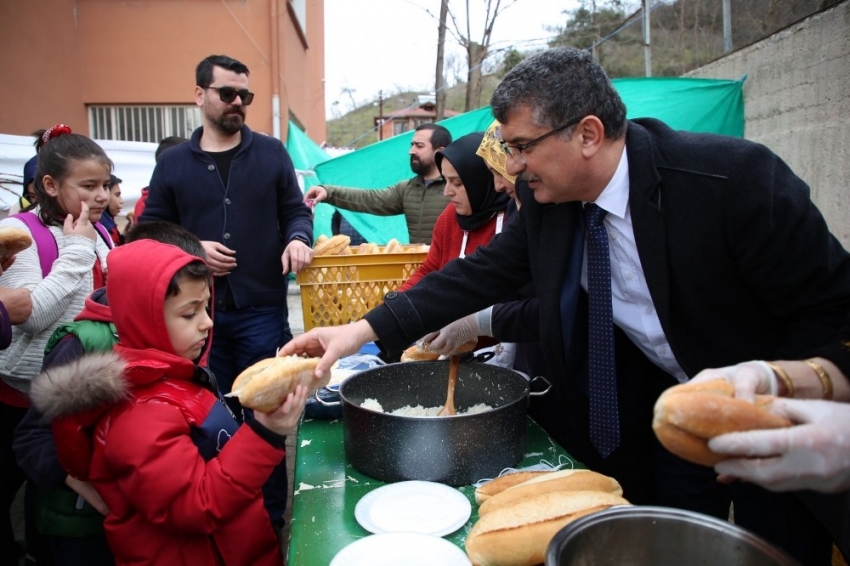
{"x": 519, "y": 535}
{"x": 564, "y": 480}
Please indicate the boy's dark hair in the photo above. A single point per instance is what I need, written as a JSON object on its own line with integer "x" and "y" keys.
{"x": 196, "y": 271}
{"x": 55, "y": 159}
{"x": 167, "y": 143}
{"x": 440, "y": 136}
{"x": 204, "y": 70}
{"x": 39, "y": 140}
{"x": 167, "y": 233}
{"x": 113, "y": 180}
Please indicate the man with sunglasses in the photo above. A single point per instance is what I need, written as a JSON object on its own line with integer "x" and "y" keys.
{"x": 714, "y": 255}
{"x": 238, "y": 193}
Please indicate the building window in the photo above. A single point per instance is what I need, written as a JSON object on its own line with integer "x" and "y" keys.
{"x": 399, "y": 127}
{"x": 143, "y": 123}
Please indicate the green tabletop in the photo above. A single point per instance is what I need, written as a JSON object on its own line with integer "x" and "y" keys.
{"x": 327, "y": 488}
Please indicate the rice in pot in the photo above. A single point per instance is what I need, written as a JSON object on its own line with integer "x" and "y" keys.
{"x": 419, "y": 410}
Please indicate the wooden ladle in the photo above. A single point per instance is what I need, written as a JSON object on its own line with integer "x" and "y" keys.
{"x": 449, "y": 406}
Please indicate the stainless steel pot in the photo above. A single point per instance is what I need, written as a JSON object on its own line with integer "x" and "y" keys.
{"x": 456, "y": 450}
{"x": 659, "y": 536}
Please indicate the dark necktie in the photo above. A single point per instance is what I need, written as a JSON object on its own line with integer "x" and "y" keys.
{"x": 604, "y": 418}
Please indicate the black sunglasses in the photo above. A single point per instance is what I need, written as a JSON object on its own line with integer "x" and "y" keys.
{"x": 228, "y": 94}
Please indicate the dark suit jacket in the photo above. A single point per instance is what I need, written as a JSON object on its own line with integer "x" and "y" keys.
{"x": 739, "y": 263}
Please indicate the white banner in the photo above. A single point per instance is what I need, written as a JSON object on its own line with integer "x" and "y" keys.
{"x": 134, "y": 163}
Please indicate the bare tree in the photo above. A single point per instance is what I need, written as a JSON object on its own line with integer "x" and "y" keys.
{"x": 440, "y": 82}
{"x": 476, "y": 51}
{"x": 350, "y": 92}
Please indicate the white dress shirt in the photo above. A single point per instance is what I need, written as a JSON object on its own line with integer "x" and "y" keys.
{"x": 634, "y": 311}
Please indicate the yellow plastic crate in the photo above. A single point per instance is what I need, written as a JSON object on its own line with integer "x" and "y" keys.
{"x": 339, "y": 289}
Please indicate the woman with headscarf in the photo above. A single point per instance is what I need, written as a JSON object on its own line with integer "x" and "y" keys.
{"x": 475, "y": 212}
{"x": 513, "y": 322}
{"x": 490, "y": 150}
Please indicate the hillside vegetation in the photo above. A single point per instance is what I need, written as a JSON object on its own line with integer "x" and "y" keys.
{"x": 685, "y": 34}
{"x": 360, "y": 123}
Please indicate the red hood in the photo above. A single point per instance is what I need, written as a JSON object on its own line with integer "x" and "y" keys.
{"x": 139, "y": 273}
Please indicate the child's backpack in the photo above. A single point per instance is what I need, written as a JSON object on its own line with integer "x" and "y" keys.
{"x": 48, "y": 250}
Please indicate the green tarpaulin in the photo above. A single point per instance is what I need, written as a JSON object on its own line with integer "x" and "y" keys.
{"x": 305, "y": 153}
{"x": 697, "y": 105}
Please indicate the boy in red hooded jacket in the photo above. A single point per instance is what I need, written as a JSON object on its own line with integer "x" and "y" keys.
{"x": 182, "y": 480}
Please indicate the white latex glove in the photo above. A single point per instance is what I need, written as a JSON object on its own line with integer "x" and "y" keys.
{"x": 749, "y": 379}
{"x": 812, "y": 455}
{"x": 453, "y": 335}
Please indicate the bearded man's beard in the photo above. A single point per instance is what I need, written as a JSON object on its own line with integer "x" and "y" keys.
{"x": 229, "y": 123}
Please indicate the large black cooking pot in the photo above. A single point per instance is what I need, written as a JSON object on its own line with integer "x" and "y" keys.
{"x": 455, "y": 450}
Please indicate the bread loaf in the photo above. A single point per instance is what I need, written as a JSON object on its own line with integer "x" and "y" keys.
{"x": 331, "y": 246}
{"x": 265, "y": 385}
{"x": 393, "y": 247}
{"x": 420, "y": 352}
{"x": 520, "y": 534}
{"x": 687, "y": 416}
{"x": 417, "y": 354}
{"x": 12, "y": 241}
{"x": 367, "y": 248}
{"x": 502, "y": 483}
{"x": 565, "y": 480}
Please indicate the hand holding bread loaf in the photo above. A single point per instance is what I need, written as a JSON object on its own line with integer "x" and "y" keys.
{"x": 265, "y": 385}
{"x": 12, "y": 241}
{"x": 687, "y": 416}
{"x": 420, "y": 352}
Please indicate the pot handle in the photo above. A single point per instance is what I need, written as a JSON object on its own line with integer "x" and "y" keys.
{"x": 539, "y": 393}
{"x": 329, "y": 403}
{"x": 480, "y": 358}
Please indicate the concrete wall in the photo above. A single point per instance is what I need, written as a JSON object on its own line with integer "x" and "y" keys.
{"x": 797, "y": 103}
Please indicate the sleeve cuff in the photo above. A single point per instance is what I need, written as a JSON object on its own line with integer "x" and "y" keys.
{"x": 484, "y": 320}
{"x": 396, "y": 322}
{"x": 273, "y": 438}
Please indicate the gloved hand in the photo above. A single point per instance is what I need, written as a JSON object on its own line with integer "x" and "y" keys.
{"x": 749, "y": 379}
{"x": 453, "y": 335}
{"x": 812, "y": 455}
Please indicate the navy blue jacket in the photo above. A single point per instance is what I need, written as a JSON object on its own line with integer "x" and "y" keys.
{"x": 258, "y": 212}
{"x": 739, "y": 262}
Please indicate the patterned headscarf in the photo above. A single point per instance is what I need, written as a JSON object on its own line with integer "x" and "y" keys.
{"x": 491, "y": 152}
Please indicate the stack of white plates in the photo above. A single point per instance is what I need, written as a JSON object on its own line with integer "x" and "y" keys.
{"x": 408, "y": 519}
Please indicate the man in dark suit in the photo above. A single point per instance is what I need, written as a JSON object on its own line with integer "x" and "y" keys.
{"x": 715, "y": 255}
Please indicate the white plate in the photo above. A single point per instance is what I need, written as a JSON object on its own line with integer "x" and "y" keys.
{"x": 414, "y": 507}
{"x": 393, "y": 549}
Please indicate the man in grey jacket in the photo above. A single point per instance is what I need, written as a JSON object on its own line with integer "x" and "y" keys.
{"x": 420, "y": 199}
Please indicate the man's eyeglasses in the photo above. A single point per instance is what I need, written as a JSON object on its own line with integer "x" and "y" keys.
{"x": 228, "y": 94}
{"x": 517, "y": 150}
